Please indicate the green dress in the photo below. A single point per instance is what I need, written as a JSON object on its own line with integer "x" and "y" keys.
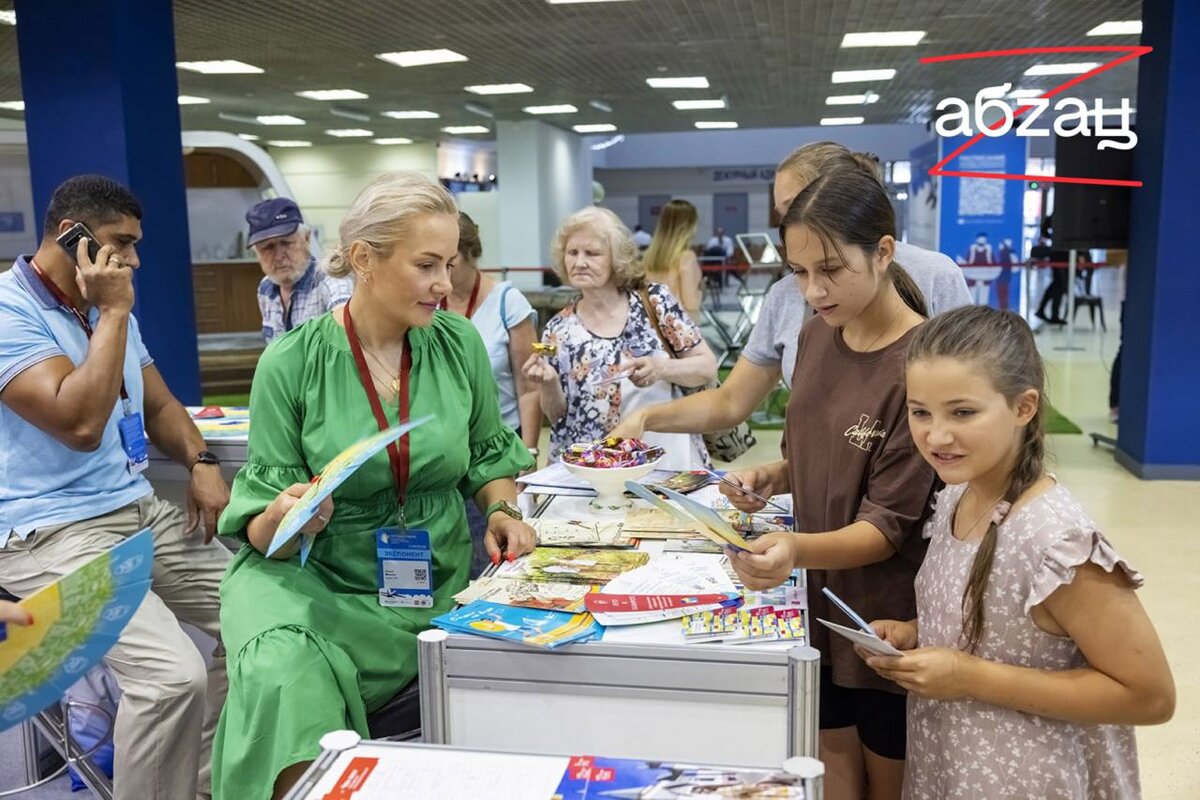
{"x": 310, "y": 649}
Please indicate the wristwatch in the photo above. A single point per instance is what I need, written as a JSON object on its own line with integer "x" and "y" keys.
{"x": 206, "y": 457}
{"x": 506, "y": 507}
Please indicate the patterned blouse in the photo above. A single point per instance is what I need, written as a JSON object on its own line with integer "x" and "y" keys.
{"x": 970, "y": 749}
{"x": 585, "y": 359}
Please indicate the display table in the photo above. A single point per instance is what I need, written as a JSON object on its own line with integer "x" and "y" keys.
{"x": 639, "y": 693}
{"x": 226, "y": 437}
{"x": 351, "y": 769}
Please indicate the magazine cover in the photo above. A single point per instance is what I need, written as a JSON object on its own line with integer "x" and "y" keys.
{"x": 595, "y": 778}
{"x": 526, "y": 625}
{"x": 572, "y": 565}
{"x": 525, "y": 594}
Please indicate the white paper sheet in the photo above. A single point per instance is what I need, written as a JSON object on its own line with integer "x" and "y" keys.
{"x": 872, "y": 643}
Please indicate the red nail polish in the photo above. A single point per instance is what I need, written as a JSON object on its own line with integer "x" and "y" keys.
{"x": 512, "y": 557}
{"x": 495, "y": 559}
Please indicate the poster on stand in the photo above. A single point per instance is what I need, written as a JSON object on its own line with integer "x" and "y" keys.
{"x": 981, "y": 218}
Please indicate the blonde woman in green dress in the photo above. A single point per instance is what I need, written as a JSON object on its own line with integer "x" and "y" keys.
{"x": 310, "y": 648}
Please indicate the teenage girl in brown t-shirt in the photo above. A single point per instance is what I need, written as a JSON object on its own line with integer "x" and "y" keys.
{"x": 861, "y": 490}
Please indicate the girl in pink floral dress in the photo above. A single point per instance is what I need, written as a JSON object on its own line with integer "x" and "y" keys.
{"x": 1031, "y": 657}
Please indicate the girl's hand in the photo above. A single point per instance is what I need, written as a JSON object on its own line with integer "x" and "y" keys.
{"x": 769, "y": 563}
{"x": 632, "y": 427}
{"x": 507, "y": 537}
{"x": 537, "y": 370}
{"x": 938, "y": 673}
{"x": 755, "y": 479}
{"x": 900, "y": 635}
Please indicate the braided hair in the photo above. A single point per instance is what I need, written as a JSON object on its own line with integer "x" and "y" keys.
{"x": 1001, "y": 344}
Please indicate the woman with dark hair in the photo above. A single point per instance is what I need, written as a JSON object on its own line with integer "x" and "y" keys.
{"x": 860, "y": 489}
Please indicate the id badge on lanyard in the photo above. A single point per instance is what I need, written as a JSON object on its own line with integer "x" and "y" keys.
{"x": 404, "y": 567}
{"x": 133, "y": 438}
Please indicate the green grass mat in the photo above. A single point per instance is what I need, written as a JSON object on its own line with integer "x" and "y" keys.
{"x": 226, "y": 400}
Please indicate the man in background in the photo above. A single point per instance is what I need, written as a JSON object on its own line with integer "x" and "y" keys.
{"x": 294, "y": 290}
{"x": 719, "y": 244}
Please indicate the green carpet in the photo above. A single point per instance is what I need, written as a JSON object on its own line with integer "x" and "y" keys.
{"x": 226, "y": 400}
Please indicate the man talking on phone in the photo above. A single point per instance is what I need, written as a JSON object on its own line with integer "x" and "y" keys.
{"x": 77, "y": 389}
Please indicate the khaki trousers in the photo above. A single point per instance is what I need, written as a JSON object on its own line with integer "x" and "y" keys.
{"x": 169, "y": 706}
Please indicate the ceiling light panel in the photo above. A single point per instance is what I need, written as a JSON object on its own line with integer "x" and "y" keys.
{"x": 843, "y": 120}
{"x": 499, "y": 88}
{"x": 716, "y": 125}
{"x": 332, "y": 94}
{"x": 459, "y": 130}
{"x": 190, "y": 100}
{"x": 599, "y": 127}
{"x": 1061, "y": 69}
{"x": 225, "y": 67}
{"x": 863, "y": 75}
{"x": 279, "y": 119}
{"x": 851, "y": 99}
{"x": 288, "y": 143}
{"x": 249, "y": 137}
{"x": 393, "y": 140}
{"x": 13, "y": 105}
{"x": 411, "y": 114}
{"x": 695, "y": 82}
{"x": 562, "y": 108}
{"x": 8, "y": 17}
{"x": 421, "y": 58}
{"x": 350, "y": 133}
{"x": 1130, "y": 27}
{"x": 698, "y": 105}
{"x": 883, "y": 39}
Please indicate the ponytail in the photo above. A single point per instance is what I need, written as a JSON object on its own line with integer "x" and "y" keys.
{"x": 908, "y": 290}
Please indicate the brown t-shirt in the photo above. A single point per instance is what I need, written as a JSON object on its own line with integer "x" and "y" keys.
{"x": 851, "y": 457}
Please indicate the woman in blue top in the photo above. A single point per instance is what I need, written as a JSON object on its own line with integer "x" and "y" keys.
{"x": 505, "y": 321}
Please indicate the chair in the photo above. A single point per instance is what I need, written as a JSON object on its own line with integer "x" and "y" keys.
{"x": 1084, "y": 297}
{"x": 399, "y": 719}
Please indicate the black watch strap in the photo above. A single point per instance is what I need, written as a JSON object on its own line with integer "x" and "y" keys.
{"x": 206, "y": 457}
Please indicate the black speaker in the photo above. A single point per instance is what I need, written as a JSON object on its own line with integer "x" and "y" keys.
{"x": 1087, "y": 216}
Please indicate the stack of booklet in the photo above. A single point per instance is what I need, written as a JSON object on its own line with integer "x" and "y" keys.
{"x": 593, "y": 777}
{"x": 525, "y": 625}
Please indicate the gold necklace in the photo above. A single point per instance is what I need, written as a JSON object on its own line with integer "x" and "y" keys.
{"x": 989, "y": 508}
{"x": 394, "y": 383}
{"x": 886, "y": 328}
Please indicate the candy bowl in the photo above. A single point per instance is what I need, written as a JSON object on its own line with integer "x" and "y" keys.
{"x": 607, "y": 464}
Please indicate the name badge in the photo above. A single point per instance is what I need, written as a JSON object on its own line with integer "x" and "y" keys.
{"x": 405, "y": 568}
{"x": 133, "y": 439}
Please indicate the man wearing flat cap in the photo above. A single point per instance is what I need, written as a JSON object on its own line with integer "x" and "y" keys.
{"x": 294, "y": 289}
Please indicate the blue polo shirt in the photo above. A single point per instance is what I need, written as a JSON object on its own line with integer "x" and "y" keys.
{"x": 42, "y": 481}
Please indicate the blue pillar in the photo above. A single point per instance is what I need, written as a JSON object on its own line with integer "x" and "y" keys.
{"x": 98, "y": 80}
{"x": 1159, "y": 435}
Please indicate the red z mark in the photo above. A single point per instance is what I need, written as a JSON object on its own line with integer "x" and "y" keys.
{"x": 1131, "y": 52}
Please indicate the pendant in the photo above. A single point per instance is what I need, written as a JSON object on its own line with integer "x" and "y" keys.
{"x": 396, "y": 385}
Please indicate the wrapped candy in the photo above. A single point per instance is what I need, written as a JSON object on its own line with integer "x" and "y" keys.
{"x": 612, "y": 453}
{"x": 548, "y": 350}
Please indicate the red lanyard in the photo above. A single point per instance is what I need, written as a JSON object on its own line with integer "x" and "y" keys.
{"x": 398, "y": 453}
{"x": 69, "y": 305}
{"x": 445, "y": 304}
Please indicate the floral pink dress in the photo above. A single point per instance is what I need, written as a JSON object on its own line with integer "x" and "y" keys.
{"x": 977, "y": 751}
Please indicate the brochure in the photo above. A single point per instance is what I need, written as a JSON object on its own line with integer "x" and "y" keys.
{"x": 579, "y": 533}
{"x": 526, "y": 625}
{"x": 708, "y": 522}
{"x": 331, "y": 477}
{"x": 744, "y": 625}
{"x": 76, "y": 620}
{"x": 637, "y": 609}
{"x": 525, "y": 594}
{"x": 867, "y": 641}
{"x": 597, "y": 778}
{"x": 667, "y": 588}
{"x": 572, "y": 565}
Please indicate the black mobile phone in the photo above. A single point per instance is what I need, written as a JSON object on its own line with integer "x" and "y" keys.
{"x": 70, "y": 241}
